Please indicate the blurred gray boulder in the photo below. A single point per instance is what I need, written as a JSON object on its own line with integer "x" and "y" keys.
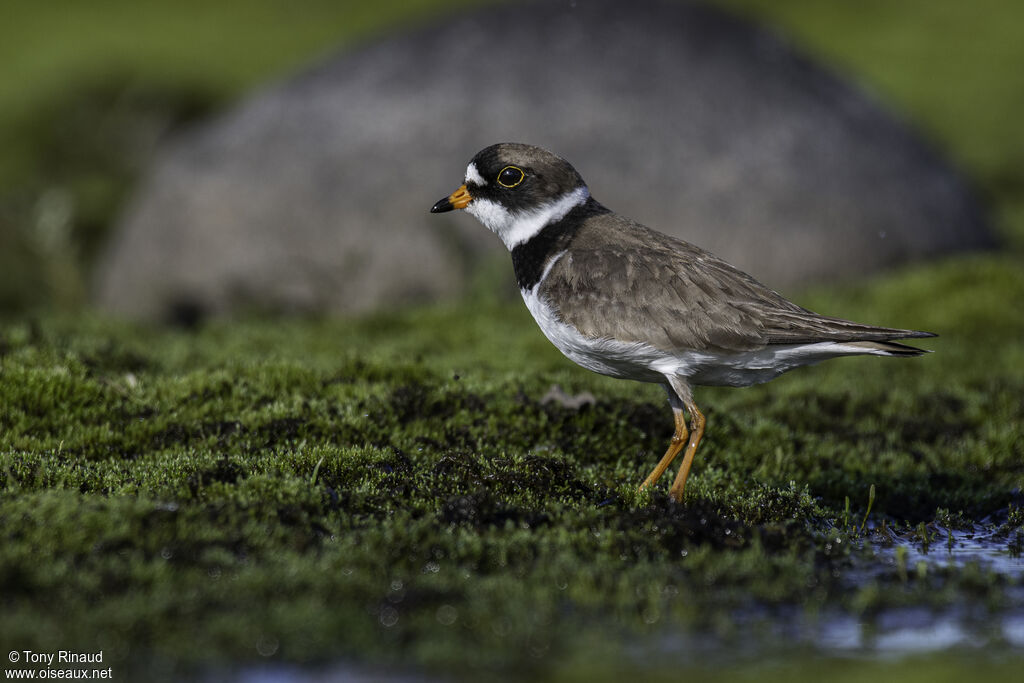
{"x": 313, "y": 194}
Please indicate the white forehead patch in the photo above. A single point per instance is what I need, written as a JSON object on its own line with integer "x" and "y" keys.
{"x": 473, "y": 176}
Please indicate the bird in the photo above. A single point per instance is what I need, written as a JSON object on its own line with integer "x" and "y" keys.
{"x": 627, "y": 301}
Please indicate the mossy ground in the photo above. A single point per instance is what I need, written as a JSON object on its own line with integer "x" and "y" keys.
{"x": 391, "y": 490}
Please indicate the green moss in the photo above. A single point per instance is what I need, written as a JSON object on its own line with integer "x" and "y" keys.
{"x": 389, "y": 487}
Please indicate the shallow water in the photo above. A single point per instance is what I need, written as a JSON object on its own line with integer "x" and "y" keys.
{"x": 986, "y": 546}
{"x": 917, "y": 630}
{"x": 890, "y": 634}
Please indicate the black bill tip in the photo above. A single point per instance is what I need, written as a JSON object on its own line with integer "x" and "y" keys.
{"x": 442, "y": 206}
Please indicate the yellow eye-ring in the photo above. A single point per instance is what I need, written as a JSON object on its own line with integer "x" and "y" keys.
{"x": 510, "y": 176}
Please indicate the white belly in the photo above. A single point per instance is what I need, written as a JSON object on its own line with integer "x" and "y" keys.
{"x": 632, "y": 360}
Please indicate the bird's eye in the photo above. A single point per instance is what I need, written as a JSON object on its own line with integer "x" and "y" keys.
{"x": 510, "y": 176}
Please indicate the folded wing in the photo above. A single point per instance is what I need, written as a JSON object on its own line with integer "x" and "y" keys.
{"x": 647, "y": 287}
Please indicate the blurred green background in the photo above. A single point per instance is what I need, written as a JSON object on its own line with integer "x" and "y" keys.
{"x": 87, "y": 91}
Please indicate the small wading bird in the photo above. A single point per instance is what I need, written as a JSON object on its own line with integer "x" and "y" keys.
{"x": 626, "y": 301}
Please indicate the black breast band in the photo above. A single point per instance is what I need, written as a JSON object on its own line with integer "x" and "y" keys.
{"x": 530, "y": 257}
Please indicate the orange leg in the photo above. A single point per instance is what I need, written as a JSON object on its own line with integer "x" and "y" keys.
{"x": 696, "y": 433}
{"x": 678, "y": 441}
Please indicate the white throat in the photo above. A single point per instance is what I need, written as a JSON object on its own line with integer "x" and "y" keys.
{"x": 518, "y": 227}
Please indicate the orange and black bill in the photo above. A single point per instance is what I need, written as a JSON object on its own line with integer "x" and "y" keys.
{"x": 456, "y": 200}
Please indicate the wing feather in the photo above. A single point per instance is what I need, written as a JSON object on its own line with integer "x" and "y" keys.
{"x": 641, "y": 285}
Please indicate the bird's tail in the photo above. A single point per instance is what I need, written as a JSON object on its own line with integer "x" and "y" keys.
{"x": 889, "y": 348}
